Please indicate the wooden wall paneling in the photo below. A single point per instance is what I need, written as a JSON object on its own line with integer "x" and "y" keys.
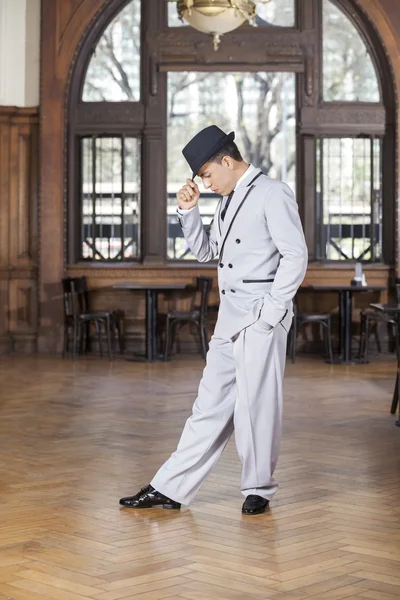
{"x": 18, "y": 228}
{"x": 23, "y": 314}
{"x": 5, "y": 337}
{"x": 4, "y": 188}
{"x": 5, "y": 340}
{"x": 22, "y": 217}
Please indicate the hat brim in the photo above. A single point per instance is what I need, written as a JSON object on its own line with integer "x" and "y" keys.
{"x": 228, "y": 138}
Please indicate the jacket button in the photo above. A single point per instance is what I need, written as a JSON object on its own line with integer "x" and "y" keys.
{"x": 238, "y": 241}
{"x": 222, "y": 291}
{"x": 221, "y": 265}
{"x": 233, "y": 291}
{"x": 230, "y": 266}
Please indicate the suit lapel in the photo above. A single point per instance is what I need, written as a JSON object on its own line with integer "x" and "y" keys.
{"x": 247, "y": 191}
{"x": 233, "y": 206}
{"x": 238, "y": 200}
{"x": 218, "y": 215}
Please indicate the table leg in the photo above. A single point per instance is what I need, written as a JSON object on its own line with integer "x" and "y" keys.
{"x": 395, "y": 395}
{"x": 346, "y": 318}
{"x": 395, "y": 401}
{"x": 151, "y": 324}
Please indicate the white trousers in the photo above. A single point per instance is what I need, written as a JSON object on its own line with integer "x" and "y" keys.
{"x": 241, "y": 391}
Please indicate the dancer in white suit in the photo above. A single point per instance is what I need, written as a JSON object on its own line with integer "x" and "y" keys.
{"x": 258, "y": 237}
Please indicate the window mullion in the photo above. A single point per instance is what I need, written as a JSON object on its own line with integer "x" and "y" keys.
{"x": 122, "y": 197}
{"x": 93, "y": 227}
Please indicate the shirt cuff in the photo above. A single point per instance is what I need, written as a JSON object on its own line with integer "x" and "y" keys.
{"x": 184, "y": 211}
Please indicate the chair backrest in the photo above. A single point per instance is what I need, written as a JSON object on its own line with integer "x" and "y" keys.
{"x": 204, "y": 286}
{"x": 76, "y": 297}
{"x": 72, "y": 304}
{"x": 397, "y": 290}
{"x": 83, "y": 292}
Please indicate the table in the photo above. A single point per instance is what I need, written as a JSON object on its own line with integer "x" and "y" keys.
{"x": 393, "y": 310}
{"x": 151, "y": 290}
{"x": 346, "y": 313}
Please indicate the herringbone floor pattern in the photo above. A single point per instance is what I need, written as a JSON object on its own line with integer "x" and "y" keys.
{"x": 75, "y": 437}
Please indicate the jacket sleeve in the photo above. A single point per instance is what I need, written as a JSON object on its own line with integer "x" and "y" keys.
{"x": 202, "y": 242}
{"x": 285, "y": 227}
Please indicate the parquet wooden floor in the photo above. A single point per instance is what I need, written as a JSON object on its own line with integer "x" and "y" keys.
{"x": 75, "y": 437}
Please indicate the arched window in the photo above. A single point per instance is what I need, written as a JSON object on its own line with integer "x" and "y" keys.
{"x": 114, "y": 70}
{"x": 308, "y": 92}
{"x": 348, "y": 71}
{"x": 349, "y": 184}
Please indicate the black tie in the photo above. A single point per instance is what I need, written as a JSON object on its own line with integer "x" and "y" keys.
{"x": 223, "y": 213}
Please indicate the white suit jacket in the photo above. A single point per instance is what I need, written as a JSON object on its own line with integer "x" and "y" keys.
{"x": 262, "y": 253}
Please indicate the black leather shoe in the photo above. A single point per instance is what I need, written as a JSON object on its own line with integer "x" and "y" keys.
{"x": 254, "y": 505}
{"x": 147, "y": 498}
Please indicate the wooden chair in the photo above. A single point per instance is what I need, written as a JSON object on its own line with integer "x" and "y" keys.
{"x": 196, "y": 315}
{"x": 369, "y": 323}
{"x": 78, "y": 318}
{"x": 116, "y": 317}
{"x": 300, "y": 319}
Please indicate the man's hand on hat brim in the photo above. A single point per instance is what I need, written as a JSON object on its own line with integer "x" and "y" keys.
{"x": 188, "y": 196}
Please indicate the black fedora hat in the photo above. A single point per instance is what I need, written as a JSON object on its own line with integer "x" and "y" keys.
{"x": 204, "y": 145}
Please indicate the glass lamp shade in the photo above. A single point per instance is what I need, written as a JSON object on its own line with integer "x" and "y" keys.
{"x": 213, "y": 19}
{"x": 216, "y": 17}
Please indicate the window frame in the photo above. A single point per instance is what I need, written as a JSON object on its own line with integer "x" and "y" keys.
{"x": 320, "y": 240}
{"x": 122, "y": 137}
{"x": 295, "y": 49}
{"x": 356, "y": 23}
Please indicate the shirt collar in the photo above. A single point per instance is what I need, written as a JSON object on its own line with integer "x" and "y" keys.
{"x": 248, "y": 172}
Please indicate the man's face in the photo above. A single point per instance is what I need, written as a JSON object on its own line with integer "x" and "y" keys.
{"x": 218, "y": 177}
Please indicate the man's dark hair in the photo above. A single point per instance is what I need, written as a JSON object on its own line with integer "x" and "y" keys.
{"x": 230, "y": 149}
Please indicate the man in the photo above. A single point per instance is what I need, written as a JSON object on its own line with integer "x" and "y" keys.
{"x": 257, "y": 234}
